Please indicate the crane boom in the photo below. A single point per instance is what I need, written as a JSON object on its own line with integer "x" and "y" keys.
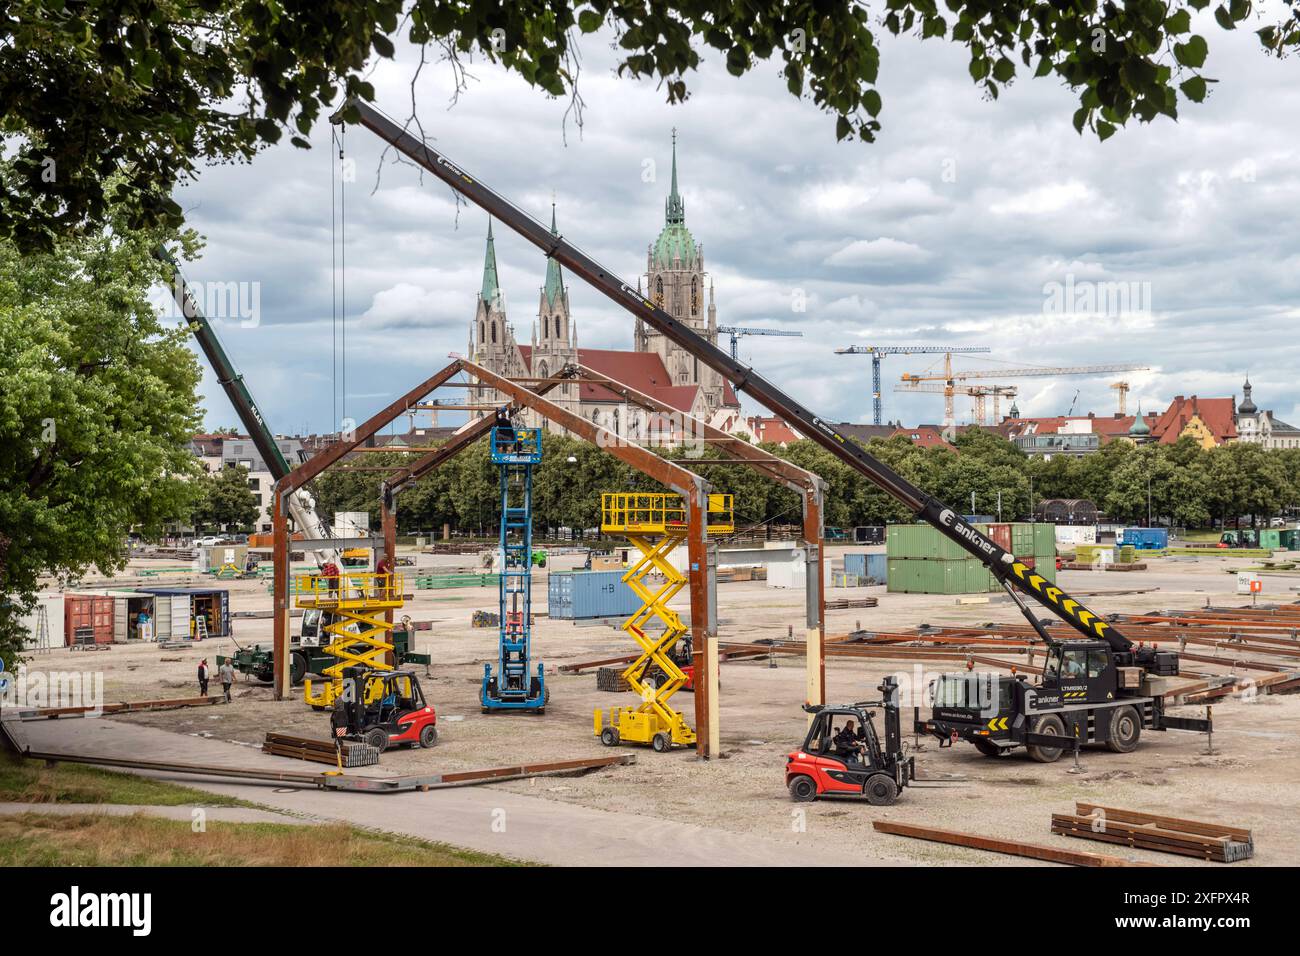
{"x": 1011, "y": 573}
{"x": 1027, "y": 372}
{"x": 302, "y": 507}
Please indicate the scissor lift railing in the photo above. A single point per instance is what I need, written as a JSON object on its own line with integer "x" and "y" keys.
{"x": 654, "y": 524}
{"x": 515, "y": 686}
{"x": 359, "y": 636}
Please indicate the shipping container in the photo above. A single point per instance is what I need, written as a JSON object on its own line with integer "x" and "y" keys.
{"x": 1288, "y": 538}
{"x": 1001, "y": 536}
{"x": 127, "y": 607}
{"x": 1068, "y": 535}
{"x": 869, "y": 534}
{"x": 87, "y": 619}
{"x": 1144, "y": 538}
{"x": 30, "y": 623}
{"x": 1270, "y": 538}
{"x": 939, "y": 576}
{"x": 579, "y": 595}
{"x": 223, "y": 557}
{"x": 872, "y": 567}
{"x": 176, "y": 610}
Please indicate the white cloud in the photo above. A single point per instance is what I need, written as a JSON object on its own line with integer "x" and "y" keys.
{"x": 877, "y": 252}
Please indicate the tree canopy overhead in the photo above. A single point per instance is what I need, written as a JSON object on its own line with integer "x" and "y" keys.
{"x": 154, "y": 88}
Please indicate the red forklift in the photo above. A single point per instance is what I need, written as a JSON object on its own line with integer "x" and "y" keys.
{"x": 842, "y": 754}
{"x": 383, "y": 709}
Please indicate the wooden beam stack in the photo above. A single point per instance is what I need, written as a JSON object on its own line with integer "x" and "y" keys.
{"x": 354, "y": 754}
{"x": 1147, "y": 831}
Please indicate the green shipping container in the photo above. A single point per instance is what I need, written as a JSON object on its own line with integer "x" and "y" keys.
{"x": 1270, "y": 538}
{"x": 938, "y": 576}
{"x": 909, "y": 541}
{"x": 1288, "y": 537}
{"x": 1044, "y": 539}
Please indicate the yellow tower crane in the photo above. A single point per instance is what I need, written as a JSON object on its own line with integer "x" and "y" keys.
{"x": 950, "y": 378}
{"x": 1121, "y": 396}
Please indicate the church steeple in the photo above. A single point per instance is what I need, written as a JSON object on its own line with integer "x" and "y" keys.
{"x": 491, "y": 291}
{"x": 554, "y": 287}
{"x": 1247, "y": 406}
{"x": 674, "y": 208}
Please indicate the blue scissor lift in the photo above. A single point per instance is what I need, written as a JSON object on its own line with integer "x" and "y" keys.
{"x": 514, "y": 686}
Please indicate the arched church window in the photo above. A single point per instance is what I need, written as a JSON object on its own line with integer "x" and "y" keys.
{"x": 557, "y": 326}
{"x": 695, "y": 296}
{"x": 494, "y": 332}
{"x": 543, "y": 371}
{"x": 481, "y": 333}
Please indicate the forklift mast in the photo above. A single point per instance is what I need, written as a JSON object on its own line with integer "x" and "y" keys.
{"x": 1011, "y": 573}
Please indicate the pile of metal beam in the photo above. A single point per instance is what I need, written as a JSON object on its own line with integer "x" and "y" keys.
{"x": 1147, "y": 831}
{"x": 353, "y": 753}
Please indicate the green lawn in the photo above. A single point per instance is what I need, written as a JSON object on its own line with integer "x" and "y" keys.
{"x": 34, "y": 839}
{"x": 31, "y": 781}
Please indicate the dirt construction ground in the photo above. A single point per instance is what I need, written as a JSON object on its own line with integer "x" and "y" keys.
{"x": 1250, "y": 781}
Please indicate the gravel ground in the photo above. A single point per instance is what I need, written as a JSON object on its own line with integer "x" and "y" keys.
{"x": 1249, "y": 782}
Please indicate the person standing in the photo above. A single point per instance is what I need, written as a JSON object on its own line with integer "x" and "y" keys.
{"x": 227, "y": 675}
{"x": 384, "y": 578}
{"x": 203, "y": 677}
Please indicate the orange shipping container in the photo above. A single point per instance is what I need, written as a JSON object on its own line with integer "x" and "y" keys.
{"x": 91, "y": 615}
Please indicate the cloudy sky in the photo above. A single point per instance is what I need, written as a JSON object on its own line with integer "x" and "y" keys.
{"x": 955, "y": 228}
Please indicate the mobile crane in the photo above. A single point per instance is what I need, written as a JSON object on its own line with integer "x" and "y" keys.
{"x": 305, "y": 656}
{"x": 1117, "y": 696}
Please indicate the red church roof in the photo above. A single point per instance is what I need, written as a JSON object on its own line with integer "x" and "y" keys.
{"x": 1218, "y": 415}
{"x": 643, "y": 371}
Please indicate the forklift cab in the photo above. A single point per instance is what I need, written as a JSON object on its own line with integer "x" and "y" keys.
{"x": 1082, "y": 671}
{"x": 384, "y": 709}
{"x": 846, "y": 735}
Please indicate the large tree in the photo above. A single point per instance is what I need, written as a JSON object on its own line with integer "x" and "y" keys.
{"x": 96, "y": 410}
{"x": 154, "y": 88}
{"x": 227, "y": 503}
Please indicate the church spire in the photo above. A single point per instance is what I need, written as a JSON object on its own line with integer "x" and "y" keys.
{"x": 674, "y": 208}
{"x": 554, "y": 288}
{"x": 491, "y": 291}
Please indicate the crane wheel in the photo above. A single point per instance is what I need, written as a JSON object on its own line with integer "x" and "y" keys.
{"x": 803, "y": 789}
{"x": 660, "y": 742}
{"x": 297, "y": 668}
{"x": 988, "y": 748}
{"x": 1049, "y": 726}
{"x": 428, "y": 736}
{"x": 1125, "y": 729}
{"x": 609, "y": 737}
{"x": 377, "y": 738}
{"x": 881, "y": 791}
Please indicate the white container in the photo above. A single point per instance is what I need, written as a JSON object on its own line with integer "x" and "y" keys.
{"x": 1069, "y": 534}
{"x": 30, "y": 623}
{"x": 351, "y": 524}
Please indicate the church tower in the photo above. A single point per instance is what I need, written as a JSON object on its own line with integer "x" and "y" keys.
{"x": 492, "y": 338}
{"x": 555, "y": 337}
{"x": 675, "y": 281}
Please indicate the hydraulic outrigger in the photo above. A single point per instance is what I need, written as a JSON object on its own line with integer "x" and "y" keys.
{"x": 1119, "y": 697}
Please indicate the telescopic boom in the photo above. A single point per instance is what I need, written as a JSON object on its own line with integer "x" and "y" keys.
{"x": 1011, "y": 573}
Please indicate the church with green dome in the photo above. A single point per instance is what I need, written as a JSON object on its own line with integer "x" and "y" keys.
{"x": 675, "y": 279}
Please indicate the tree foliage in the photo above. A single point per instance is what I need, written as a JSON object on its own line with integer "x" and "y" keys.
{"x": 96, "y": 411}
{"x": 152, "y": 89}
{"x": 1188, "y": 485}
{"x": 226, "y": 502}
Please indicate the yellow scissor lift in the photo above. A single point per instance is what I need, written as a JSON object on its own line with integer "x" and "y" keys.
{"x": 359, "y": 635}
{"x": 655, "y": 524}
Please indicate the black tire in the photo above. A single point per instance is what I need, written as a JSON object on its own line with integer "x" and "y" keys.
{"x": 428, "y": 736}
{"x": 297, "y": 668}
{"x": 988, "y": 748}
{"x": 319, "y": 707}
{"x": 1050, "y": 726}
{"x": 266, "y": 677}
{"x": 803, "y": 789}
{"x": 609, "y": 737}
{"x": 881, "y": 791}
{"x": 1125, "y": 730}
{"x": 376, "y": 737}
{"x": 660, "y": 742}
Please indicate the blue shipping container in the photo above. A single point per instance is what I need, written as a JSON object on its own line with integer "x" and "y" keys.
{"x": 579, "y": 595}
{"x": 1145, "y": 538}
{"x": 873, "y": 567}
